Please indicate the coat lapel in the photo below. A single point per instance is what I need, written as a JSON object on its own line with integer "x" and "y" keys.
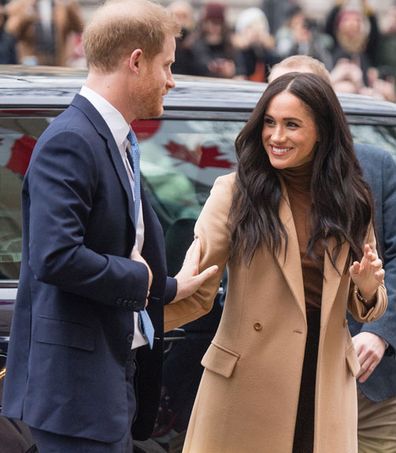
{"x": 290, "y": 263}
{"x": 289, "y": 259}
{"x": 332, "y": 279}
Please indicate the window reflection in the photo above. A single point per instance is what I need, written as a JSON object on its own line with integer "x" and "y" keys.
{"x": 381, "y": 136}
{"x": 180, "y": 161}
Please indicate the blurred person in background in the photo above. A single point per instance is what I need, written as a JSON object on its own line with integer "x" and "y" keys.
{"x": 43, "y": 29}
{"x": 348, "y": 77}
{"x": 252, "y": 37}
{"x": 275, "y": 12}
{"x": 354, "y": 28}
{"x": 300, "y": 36}
{"x": 213, "y": 51}
{"x": 184, "y": 60}
{"x": 381, "y": 84}
{"x": 386, "y": 57}
{"x": 375, "y": 343}
{"x": 7, "y": 41}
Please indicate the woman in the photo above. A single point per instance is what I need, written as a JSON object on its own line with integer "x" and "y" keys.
{"x": 293, "y": 226}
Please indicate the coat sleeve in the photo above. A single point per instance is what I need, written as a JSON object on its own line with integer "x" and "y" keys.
{"x": 357, "y": 308}
{"x": 212, "y": 230}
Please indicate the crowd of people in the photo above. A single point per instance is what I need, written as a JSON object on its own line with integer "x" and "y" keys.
{"x": 349, "y": 41}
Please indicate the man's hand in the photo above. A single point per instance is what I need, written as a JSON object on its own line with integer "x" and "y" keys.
{"x": 370, "y": 349}
{"x": 188, "y": 278}
{"x": 136, "y": 256}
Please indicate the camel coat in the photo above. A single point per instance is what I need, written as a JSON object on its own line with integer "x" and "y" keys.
{"x": 248, "y": 396}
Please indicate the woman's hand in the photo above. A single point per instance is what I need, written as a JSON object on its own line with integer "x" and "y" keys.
{"x": 368, "y": 274}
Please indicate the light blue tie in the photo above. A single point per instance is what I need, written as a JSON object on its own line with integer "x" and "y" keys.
{"x": 146, "y": 325}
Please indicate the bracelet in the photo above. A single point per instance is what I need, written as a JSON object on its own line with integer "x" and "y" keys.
{"x": 361, "y": 298}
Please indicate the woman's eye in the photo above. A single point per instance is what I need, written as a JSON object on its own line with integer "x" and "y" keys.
{"x": 268, "y": 121}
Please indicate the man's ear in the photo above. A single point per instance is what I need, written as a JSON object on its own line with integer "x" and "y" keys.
{"x": 135, "y": 60}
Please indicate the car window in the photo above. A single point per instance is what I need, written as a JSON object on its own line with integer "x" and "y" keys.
{"x": 378, "y": 135}
{"x": 18, "y": 136}
{"x": 180, "y": 161}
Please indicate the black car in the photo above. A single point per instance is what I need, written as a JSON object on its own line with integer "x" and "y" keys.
{"x": 182, "y": 154}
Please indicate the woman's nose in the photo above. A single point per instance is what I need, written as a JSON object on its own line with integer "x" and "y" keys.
{"x": 278, "y": 134}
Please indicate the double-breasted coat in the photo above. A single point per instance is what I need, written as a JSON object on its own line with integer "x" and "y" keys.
{"x": 248, "y": 397}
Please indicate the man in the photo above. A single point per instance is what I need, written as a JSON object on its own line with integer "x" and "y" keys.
{"x": 93, "y": 251}
{"x": 375, "y": 343}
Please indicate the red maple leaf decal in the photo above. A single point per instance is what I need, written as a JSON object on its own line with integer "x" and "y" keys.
{"x": 201, "y": 156}
{"x": 181, "y": 152}
{"x": 21, "y": 152}
{"x": 211, "y": 158}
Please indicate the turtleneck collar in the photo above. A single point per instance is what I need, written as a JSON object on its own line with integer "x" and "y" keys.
{"x": 298, "y": 178}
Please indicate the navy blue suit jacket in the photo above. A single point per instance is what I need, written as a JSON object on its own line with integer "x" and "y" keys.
{"x": 73, "y": 318}
{"x": 379, "y": 170}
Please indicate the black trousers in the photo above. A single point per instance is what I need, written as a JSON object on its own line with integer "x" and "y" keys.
{"x": 304, "y": 431}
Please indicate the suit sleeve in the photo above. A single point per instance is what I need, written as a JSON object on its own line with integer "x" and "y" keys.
{"x": 211, "y": 228}
{"x": 61, "y": 180}
{"x": 170, "y": 290}
{"x": 386, "y": 326}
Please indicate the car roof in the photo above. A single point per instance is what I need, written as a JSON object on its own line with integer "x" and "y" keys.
{"x": 55, "y": 87}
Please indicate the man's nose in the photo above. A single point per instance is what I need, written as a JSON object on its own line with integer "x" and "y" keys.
{"x": 170, "y": 83}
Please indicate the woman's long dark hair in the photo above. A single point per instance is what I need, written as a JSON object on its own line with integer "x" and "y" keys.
{"x": 341, "y": 200}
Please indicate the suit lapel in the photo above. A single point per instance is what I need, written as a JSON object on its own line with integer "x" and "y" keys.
{"x": 332, "y": 279}
{"x": 289, "y": 260}
{"x": 122, "y": 175}
{"x": 103, "y": 130}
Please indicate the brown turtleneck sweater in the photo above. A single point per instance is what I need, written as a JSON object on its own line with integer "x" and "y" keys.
{"x": 298, "y": 184}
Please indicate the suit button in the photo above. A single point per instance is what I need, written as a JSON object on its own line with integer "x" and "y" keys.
{"x": 257, "y": 326}
{"x": 136, "y": 305}
{"x": 130, "y": 338}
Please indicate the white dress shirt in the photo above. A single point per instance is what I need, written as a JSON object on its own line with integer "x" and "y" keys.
{"x": 120, "y": 129}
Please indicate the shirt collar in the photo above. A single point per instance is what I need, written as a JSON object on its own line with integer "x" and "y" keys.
{"x": 113, "y": 118}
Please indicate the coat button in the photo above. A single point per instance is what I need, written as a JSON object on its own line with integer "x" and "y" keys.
{"x": 130, "y": 338}
{"x": 257, "y": 326}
